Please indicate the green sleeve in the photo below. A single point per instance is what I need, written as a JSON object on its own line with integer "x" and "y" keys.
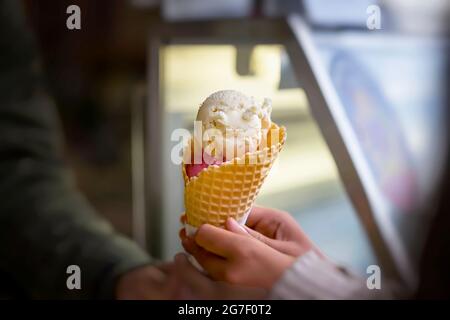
{"x": 45, "y": 223}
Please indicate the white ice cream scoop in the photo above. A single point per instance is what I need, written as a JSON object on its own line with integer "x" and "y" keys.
{"x": 241, "y": 121}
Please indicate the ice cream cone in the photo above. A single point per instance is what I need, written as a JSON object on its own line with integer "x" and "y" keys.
{"x": 229, "y": 189}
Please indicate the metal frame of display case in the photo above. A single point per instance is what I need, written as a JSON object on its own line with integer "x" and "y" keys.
{"x": 294, "y": 34}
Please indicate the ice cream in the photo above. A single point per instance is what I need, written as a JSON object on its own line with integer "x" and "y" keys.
{"x": 239, "y": 118}
{"x": 232, "y": 125}
{"x": 193, "y": 169}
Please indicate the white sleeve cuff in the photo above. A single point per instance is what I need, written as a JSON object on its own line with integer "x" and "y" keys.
{"x": 314, "y": 277}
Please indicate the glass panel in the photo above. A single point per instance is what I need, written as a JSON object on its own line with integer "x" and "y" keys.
{"x": 391, "y": 87}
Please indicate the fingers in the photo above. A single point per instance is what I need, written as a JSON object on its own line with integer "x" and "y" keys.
{"x": 265, "y": 220}
{"x": 218, "y": 241}
{"x": 186, "y": 241}
{"x": 291, "y": 248}
{"x": 256, "y": 215}
{"x": 213, "y": 264}
{"x": 233, "y": 226}
{"x": 257, "y": 235}
{"x": 266, "y": 240}
{"x": 192, "y": 284}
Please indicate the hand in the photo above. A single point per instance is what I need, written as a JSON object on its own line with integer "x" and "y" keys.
{"x": 279, "y": 230}
{"x": 188, "y": 283}
{"x": 144, "y": 283}
{"x": 236, "y": 257}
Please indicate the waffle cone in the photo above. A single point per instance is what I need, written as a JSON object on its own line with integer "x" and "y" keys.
{"x": 229, "y": 189}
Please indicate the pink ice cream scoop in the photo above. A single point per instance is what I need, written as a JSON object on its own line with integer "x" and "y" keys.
{"x": 193, "y": 170}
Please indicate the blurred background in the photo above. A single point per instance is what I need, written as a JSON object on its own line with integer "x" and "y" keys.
{"x": 139, "y": 69}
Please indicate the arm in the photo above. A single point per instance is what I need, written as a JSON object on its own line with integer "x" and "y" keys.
{"x": 45, "y": 223}
{"x": 314, "y": 277}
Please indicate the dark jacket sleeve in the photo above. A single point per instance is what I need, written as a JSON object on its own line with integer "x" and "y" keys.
{"x": 45, "y": 223}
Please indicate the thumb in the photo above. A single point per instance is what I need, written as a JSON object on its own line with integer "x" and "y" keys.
{"x": 287, "y": 247}
{"x": 233, "y": 226}
{"x": 259, "y": 236}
